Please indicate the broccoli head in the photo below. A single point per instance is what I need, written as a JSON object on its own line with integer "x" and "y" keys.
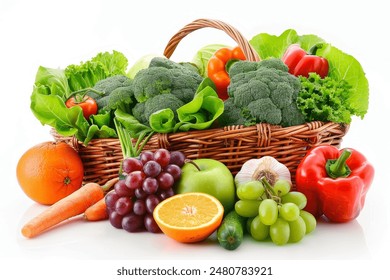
{"x": 113, "y": 92}
{"x": 166, "y": 76}
{"x": 262, "y": 92}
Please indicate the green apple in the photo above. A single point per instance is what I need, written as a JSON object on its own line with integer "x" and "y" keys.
{"x": 208, "y": 176}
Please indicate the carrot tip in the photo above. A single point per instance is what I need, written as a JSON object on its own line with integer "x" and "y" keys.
{"x": 26, "y": 231}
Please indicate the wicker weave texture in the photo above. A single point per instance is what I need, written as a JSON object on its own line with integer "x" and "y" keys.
{"x": 231, "y": 145}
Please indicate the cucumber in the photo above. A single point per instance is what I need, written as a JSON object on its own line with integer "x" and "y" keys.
{"x": 231, "y": 231}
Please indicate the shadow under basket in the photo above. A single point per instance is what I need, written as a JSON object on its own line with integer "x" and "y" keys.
{"x": 231, "y": 145}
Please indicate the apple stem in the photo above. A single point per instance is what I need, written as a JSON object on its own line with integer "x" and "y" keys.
{"x": 193, "y": 163}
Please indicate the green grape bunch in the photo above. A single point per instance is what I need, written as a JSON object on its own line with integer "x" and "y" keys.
{"x": 274, "y": 211}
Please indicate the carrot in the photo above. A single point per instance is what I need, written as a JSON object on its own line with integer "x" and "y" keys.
{"x": 70, "y": 206}
{"x": 97, "y": 212}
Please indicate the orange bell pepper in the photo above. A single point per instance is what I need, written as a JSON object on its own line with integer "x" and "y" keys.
{"x": 218, "y": 65}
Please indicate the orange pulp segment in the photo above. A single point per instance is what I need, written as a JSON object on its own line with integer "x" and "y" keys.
{"x": 189, "y": 217}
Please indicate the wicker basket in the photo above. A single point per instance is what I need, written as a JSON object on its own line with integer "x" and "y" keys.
{"x": 232, "y": 145}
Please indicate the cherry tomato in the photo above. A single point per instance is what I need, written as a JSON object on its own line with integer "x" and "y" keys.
{"x": 87, "y": 104}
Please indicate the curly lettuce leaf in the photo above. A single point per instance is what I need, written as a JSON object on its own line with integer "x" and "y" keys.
{"x": 325, "y": 99}
{"x": 102, "y": 66}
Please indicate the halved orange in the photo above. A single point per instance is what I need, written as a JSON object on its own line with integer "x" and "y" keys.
{"x": 189, "y": 217}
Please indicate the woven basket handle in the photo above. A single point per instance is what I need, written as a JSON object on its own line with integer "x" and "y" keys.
{"x": 249, "y": 52}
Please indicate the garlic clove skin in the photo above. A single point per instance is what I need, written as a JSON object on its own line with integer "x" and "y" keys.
{"x": 255, "y": 169}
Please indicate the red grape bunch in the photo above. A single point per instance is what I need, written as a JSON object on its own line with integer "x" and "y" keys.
{"x": 148, "y": 179}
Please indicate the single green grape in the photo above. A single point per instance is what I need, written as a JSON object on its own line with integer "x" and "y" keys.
{"x": 258, "y": 230}
{"x": 310, "y": 221}
{"x": 247, "y": 208}
{"x": 268, "y": 211}
{"x": 251, "y": 190}
{"x": 280, "y": 232}
{"x": 289, "y": 211}
{"x": 282, "y": 187}
{"x": 295, "y": 197}
{"x": 297, "y": 230}
{"x": 248, "y": 224}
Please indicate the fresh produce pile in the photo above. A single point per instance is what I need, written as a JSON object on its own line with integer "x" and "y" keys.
{"x": 301, "y": 78}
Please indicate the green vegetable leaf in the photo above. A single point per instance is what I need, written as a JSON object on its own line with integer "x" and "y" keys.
{"x": 202, "y": 57}
{"x": 345, "y": 67}
{"x": 95, "y": 131}
{"x": 140, "y": 64}
{"x": 51, "y": 81}
{"x": 132, "y": 125}
{"x": 325, "y": 99}
{"x": 268, "y": 45}
{"x": 201, "y": 112}
{"x": 51, "y": 110}
{"x": 101, "y": 119}
{"x": 162, "y": 121}
{"x": 115, "y": 63}
{"x": 103, "y": 65}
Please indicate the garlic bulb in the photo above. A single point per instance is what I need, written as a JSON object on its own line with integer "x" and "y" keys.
{"x": 267, "y": 166}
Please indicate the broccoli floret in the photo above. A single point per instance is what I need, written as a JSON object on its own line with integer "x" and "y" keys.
{"x": 264, "y": 92}
{"x": 264, "y": 110}
{"x": 106, "y": 86}
{"x": 113, "y": 92}
{"x": 165, "y": 76}
{"x": 138, "y": 113}
{"x": 150, "y": 82}
{"x": 160, "y": 102}
{"x": 121, "y": 97}
{"x": 292, "y": 115}
{"x": 231, "y": 114}
{"x": 274, "y": 63}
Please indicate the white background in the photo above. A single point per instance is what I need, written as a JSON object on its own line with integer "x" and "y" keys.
{"x": 58, "y": 33}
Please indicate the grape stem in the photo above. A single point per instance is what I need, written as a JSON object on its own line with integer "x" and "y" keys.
{"x": 269, "y": 191}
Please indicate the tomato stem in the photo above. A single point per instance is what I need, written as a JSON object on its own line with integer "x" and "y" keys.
{"x": 79, "y": 95}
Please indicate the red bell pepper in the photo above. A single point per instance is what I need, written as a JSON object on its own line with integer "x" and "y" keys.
{"x": 335, "y": 182}
{"x": 301, "y": 63}
{"x": 217, "y": 68}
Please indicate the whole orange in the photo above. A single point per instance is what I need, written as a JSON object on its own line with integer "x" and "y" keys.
{"x": 49, "y": 171}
